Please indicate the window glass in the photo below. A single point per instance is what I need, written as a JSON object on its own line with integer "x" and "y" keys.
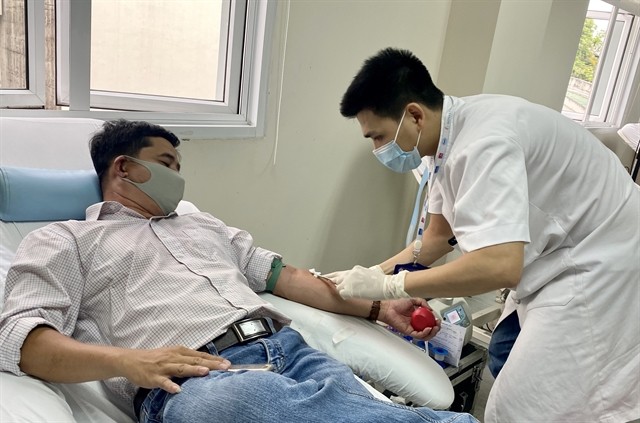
{"x": 163, "y": 56}
{"x": 199, "y": 67}
{"x": 601, "y": 71}
{"x": 586, "y": 62}
{"x": 159, "y": 47}
{"x": 13, "y": 45}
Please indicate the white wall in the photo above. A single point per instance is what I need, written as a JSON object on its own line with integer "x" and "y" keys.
{"x": 534, "y": 49}
{"x": 524, "y": 48}
{"x": 327, "y": 202}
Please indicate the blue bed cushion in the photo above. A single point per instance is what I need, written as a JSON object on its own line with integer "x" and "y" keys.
{"x": 29, "y": 194}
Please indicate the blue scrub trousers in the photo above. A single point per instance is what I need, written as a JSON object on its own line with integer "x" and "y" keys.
{"x": 502, "y": 339}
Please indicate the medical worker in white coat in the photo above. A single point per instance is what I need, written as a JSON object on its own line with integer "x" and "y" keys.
{"x": 537, "y": 204}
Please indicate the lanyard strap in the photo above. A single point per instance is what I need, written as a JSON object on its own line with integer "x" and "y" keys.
{"x": 416, "y": 206}
{"x": 436, "y": 164}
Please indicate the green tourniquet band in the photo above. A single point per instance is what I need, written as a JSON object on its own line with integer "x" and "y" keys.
{"x": 276, "y": 268}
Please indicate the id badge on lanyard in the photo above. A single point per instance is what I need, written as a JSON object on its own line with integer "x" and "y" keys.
{"x": 409, "y": 267}
{"x": 428, "y": 177}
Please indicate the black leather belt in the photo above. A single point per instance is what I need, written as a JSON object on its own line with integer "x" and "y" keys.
{"x": 239, "y": 332}
{"x": 244, "y": 331}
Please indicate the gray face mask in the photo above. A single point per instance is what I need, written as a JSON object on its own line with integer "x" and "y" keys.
{"x": 165, "y": 186}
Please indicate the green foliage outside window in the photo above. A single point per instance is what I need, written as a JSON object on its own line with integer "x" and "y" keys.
{"x": 589, "y": 50}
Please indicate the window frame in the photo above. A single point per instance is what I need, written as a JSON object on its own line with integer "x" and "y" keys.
{"x": 34, "y": 95}
{"x": 242, "y": 117}
{"x": 612, "y": 86}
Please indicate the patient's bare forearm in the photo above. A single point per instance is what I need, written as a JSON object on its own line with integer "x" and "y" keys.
{"x": 49, "y": 355}
{"x": 303, "y": 287}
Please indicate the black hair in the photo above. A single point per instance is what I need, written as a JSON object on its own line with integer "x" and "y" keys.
{"x": 123, "y": 137}
{"x": 387, "y": 82}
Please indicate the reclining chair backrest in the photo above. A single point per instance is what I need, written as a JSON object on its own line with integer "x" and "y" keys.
{"x": 46, "y": 175}
{"x": 31, "y": 195}
{"x": 38, "y": 194}
{"x": 31, "y": 198}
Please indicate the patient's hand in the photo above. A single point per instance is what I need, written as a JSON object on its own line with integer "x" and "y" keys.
{"x": 155, "y": 368}
{"x": 397, "y": 313}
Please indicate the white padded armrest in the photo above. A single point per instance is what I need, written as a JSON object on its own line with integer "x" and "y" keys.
{"x": 19, "y": 394}
{"x": 372, "y": 352}
{"x": 26, "y": 399}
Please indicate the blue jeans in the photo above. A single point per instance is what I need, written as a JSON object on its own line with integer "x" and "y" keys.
{"x": 502, "y": 339}
{"x": 305, "y": 386}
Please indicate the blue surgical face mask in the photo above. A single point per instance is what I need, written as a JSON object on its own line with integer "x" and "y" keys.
{"x": 395, "y": 158}
{"x": 165, "y": 186}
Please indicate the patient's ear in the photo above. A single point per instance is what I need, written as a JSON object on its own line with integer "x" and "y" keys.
{"x": 119, "y": 166}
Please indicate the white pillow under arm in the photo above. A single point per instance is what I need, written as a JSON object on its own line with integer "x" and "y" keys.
{"x": 372, "y": 352}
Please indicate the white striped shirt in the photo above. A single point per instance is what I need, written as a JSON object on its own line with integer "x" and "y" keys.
{"x": 120, "y": 279}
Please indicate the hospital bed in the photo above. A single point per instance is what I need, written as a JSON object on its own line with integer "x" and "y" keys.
{"x": 46, "y": 175}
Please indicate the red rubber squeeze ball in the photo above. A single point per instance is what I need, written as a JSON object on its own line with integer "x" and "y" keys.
{"x": 422, "y": 318}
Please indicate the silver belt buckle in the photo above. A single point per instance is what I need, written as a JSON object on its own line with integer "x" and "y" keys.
{"x": 249, "y": 329}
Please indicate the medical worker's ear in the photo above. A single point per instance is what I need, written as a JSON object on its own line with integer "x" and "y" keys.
{"x": 415, "y": 111}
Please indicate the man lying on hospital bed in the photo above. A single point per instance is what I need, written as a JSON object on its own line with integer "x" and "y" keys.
{"x": 164, "y": 307}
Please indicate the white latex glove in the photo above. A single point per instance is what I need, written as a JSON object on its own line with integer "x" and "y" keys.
{"x": 372, "y": 284}
{"x": 338, "y": 277}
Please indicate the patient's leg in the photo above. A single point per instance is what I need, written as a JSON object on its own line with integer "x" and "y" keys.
{"x": 306, "y": 386}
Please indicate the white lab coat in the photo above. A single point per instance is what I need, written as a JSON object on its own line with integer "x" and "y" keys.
{"x": 517, "y": 171}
